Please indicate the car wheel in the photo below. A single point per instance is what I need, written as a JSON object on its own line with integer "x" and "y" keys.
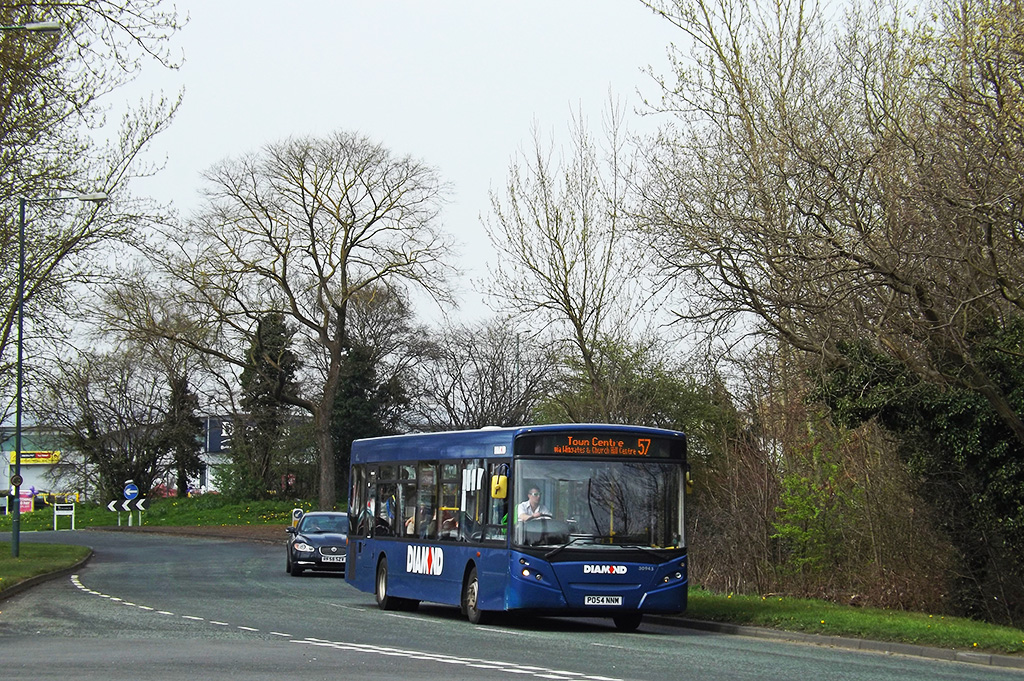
{"x": 470, "y": 596}
{"x": 293, "y": 569}
{"x": 627, "y": 622}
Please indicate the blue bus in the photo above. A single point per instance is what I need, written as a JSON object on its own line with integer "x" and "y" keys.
{"x": 578, "y": 520}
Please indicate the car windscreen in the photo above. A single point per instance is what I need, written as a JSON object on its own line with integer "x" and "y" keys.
{"x": 319, "y": 524}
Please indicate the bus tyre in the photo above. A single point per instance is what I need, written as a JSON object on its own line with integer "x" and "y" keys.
{"x": 384, "y": 600}
{"x": 470, "y": 594}
{"x": 627, "y": 622}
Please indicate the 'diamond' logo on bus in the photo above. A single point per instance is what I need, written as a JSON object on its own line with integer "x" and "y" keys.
{"x": 604, "y": 569}
{"x": 424, "y": 560}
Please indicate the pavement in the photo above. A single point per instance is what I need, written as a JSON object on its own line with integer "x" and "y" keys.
{"x": 275, "y": 534}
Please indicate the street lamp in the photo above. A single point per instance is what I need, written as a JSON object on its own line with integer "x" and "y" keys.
{"x": 16, "y": 480}
{"x": 35, "y": 27}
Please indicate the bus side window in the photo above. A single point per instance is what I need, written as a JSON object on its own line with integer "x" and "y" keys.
{"x": 497, "y": 518}
{"x": 358, "y": 511}
{"x": 449, "y": 511}
{"x": 386, "y": 503}
{"x": 472, "y": 505}
{"x": 406, "y": 507}
{"x": 426, "y": 501}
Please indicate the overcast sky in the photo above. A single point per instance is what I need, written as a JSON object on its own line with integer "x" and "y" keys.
{"x": 458, "y": 84}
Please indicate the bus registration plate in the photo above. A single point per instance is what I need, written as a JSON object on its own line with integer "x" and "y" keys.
{"x": 602, "y": 600}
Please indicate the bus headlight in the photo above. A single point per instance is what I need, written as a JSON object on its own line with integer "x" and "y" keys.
{"x": 536, "y": 575}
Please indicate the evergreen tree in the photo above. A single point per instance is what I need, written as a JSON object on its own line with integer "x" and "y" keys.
{"x": 182, "y": 433}
{"x": 269, "y": 374}
{"x": 366, "y": 406}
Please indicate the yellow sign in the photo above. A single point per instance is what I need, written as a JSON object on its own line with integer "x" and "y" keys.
{"x": 29, "y": 458}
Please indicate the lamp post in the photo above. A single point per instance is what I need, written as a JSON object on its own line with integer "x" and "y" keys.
{"x": 16, "y": 479}
{"x": 34, "y": 27}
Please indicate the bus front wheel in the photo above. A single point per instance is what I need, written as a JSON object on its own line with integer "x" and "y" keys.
{"x": 470, "y": 602}
{"x": 627, "y": 622}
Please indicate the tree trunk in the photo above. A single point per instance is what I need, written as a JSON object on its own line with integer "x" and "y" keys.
{"x": 325, "y": 445}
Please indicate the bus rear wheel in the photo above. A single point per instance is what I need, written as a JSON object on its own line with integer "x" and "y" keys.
{"x": 627, "y": 622}
{"x": 470, "y": 600}
{"x": 384, "y": 600}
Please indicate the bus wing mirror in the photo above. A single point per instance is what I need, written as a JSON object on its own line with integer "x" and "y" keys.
{"x": 499, "y": 486}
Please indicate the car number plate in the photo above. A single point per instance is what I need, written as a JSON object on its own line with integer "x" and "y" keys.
{"x": 602, "y": 600}
{"x": 333, "y": 559}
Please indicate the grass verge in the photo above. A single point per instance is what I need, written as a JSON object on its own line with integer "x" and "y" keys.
{"x": 34, "y": 560}
{"x": 830, "y": 619}
{"x": 208, "y": 509}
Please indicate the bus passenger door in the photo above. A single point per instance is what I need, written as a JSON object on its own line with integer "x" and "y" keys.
{"x": 362, "y": 511}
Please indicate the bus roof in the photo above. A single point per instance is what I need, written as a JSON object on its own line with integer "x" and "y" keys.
{"x": 484, "y": 442}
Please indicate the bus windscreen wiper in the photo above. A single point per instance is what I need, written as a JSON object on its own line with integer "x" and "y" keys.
{"x": 573, "y": 540}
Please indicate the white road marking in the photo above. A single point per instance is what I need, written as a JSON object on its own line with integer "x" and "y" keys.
{"x": 407, "y": 617}
{"x": 506, "y": 667}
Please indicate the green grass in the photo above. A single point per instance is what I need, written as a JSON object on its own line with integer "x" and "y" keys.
{"x": 34, "y": 560}
{"x": 790, "y": 614}
{"x": 830, "y": 619}
{"x": 208, "y": 509}
{"x": 211, "y": 509}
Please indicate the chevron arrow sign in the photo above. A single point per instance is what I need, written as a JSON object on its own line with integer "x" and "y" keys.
{"x": 137, "y": 504}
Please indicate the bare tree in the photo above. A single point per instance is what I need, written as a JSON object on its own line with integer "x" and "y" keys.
{"x": 566, "y": 259}
{"x": 829, "y": 185}
{"x": 490, "y": 374}
{"x": 111, "y": 410}
{"x": 853, "y": 190}
{"x": 55, "y": 141}
{"x": 300, "y": 229}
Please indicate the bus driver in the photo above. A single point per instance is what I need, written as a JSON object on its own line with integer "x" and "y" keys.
{"x": 532, "y": 508}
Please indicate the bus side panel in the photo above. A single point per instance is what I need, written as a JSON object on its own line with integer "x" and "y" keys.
{"x": 413, "y": 571}
{"x": 431, "y": 572}
{"x": 492, "y": 566}
{"x": 422, "y": 577}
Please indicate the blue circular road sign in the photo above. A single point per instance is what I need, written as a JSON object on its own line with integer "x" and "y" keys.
{"x": 131, "y": 491}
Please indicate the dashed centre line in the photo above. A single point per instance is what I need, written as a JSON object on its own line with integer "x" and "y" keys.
{"x": 506, "y": 667}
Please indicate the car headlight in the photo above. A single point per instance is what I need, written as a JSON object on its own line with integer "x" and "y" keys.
{"x": 303, "y": 546}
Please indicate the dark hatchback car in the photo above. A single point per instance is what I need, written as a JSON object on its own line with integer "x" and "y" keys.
{"x": 318, "y": 542}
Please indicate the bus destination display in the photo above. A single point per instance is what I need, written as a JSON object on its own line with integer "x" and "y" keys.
{"x": 599, "y": 444}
